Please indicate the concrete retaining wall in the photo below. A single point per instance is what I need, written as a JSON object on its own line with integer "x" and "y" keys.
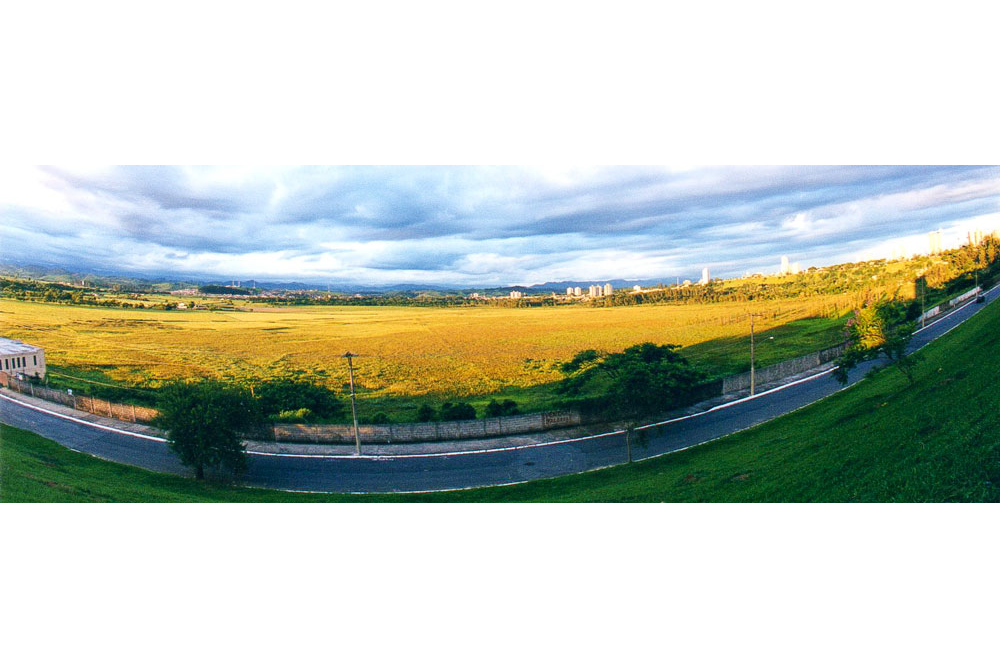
{"x": 781, "y": 370}
{"x": 964, "y": 297}
{"x": 427, "y": 432}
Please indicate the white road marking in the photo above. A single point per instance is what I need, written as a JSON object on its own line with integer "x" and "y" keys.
{"x": 82, "y": 421}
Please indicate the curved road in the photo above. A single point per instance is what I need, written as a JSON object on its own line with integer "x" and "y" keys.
{"x": 434, "y": 472}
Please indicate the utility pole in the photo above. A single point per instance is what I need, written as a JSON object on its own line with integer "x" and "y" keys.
{"x": 753, "y": 379}
{"x": 628, "y": 442}
{"x": 354, "y": 407}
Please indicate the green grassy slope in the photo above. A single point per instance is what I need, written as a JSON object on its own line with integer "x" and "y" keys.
{"x": 882, "y": 440}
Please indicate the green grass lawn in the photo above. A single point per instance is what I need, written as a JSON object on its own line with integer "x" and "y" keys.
{"x": 882, "y": 440}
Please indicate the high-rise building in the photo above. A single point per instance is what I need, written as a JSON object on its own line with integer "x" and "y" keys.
{"x": 517, "y": 295}
{"x": 796, "y": 268}
{"x": 608, "y": 289}
{"x": 636, "y": 288}
{"x": 784, "y": 265}
{"x": 595, "y": 290}
{"x": 705, "y": 277}
{"x": 569, "y": 291}
{"x": 577, "y": 291}
{"x": 936, "y": 243}
{"x": 976, "y": 237}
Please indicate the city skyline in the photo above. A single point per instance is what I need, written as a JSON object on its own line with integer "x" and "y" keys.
{"x": 477, "y": 226}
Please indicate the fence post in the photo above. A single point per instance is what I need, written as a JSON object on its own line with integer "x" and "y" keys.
{"x": 133, "y": 413}
{"x": 32, "y": 388}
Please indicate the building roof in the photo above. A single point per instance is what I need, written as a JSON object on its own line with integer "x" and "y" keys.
{"x": 10, "y": 346}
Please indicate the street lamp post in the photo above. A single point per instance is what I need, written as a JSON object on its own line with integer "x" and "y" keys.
{"x": 753, "y": 356}
{"x": 354, "y": 407}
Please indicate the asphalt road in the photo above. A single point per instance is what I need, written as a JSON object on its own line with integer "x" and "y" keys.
{"x": 463, "y": 470}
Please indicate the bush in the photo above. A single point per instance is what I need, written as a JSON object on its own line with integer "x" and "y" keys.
{"x": 280, "y": 396}
{"x": 425, "y": 414}
{"x": 457, "y": 411}
{"x": 504, "y": 409}
{"x": 379, "y": 418}
{"x": 299, "y": 416}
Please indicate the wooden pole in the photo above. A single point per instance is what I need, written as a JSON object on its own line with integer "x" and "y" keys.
{"x": 354, "y": 407}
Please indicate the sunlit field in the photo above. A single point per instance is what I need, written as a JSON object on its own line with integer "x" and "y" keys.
{"x": 408, "y": 354}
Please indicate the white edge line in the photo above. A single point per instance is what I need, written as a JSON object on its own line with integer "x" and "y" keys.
{"x": 953, "y": 312}
{"x": 82, "y": 421}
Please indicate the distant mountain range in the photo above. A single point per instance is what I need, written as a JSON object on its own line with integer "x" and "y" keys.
{"x": 54, "y": 273}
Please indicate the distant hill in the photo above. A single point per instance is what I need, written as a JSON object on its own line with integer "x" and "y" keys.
{"x": 53, "y": 273}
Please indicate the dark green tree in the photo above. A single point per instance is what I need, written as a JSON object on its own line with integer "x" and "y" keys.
{"x": 277, "y": 396}
{"x": 497, "y": 408}
{"x": 456, "y": 411}
{"x": 205, "y": 422}
{"x": 882, "y": 327}
{"x": 640, "y": 381}
{"x": 425, "y": 414}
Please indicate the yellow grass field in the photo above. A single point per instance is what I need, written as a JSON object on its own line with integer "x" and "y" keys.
{"x": 406, "y": 351}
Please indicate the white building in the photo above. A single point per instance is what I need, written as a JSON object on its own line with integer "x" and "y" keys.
{"x": 17, "y": 358}
{"x": 936, "y": 242}
{"x": 796, "y": 268}
{"x": 517, "y": 295}
{"x": 636, "y": 288}
{"x": 569, "y": 291}
{"x": 705, "y": 277}
{"x": 784, "y": 265}
{"x": 595, "y": 290}
{"x": 608, "y": 289}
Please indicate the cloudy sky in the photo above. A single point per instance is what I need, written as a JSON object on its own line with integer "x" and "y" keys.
{"x": 479, "y": 226}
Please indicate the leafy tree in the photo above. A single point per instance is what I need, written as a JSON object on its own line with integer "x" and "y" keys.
{"x": 204, "y": 423}
{"x": 641, "y": 380}
{"x": 279, "y": 396}
{"x": 456, "y": 411}
{"x": 882, "y": 327}
{"x": 425, "y": 414}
